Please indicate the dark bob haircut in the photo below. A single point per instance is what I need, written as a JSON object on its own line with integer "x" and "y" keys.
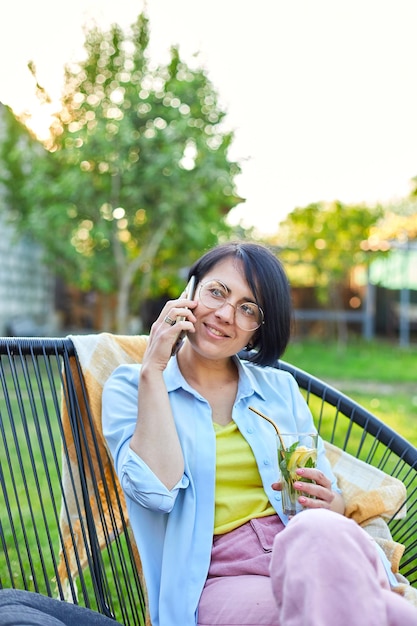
{"x": 269, "y": 283}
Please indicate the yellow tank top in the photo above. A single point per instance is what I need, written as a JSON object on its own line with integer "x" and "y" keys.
{"x": 239, "y": 492}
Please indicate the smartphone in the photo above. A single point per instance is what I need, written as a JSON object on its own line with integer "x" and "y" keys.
{"x": 188, "y": 293}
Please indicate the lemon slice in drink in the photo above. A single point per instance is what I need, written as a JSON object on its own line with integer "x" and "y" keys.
{"x": 300, "y": 456}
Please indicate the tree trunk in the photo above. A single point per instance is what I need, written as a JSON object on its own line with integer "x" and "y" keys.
{"x": 128, "y": 274}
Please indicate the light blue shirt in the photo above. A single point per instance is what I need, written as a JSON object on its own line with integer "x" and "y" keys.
{"x": 174, "y": 528}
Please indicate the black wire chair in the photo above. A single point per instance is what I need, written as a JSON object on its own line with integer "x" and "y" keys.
{"x": 345, "y": 423}
{"x": 41, "y": 494}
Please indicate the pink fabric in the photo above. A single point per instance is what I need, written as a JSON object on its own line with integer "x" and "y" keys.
{"x": 238, "y": 589}
{"x": 323, "y": 569}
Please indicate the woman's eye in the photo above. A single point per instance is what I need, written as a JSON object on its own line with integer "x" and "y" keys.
{"x": 217, "y": 293}
{"x": 247, "y": 309}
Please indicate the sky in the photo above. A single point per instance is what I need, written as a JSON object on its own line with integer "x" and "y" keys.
{"x": 321, "y": 94}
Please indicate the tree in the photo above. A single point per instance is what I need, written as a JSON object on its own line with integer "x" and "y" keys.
{"x": 399, "y": 222}
{"x": 322, "y": 243}
{"x": 137, "y": 179}
{"x": 18, "y": 150}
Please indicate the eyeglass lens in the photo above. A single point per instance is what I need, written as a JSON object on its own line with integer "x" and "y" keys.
{"x": 213, "y": 295}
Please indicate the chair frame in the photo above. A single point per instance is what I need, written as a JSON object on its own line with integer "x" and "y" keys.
{"x": 37, "y": 375}
{"x": 378, "y": 444}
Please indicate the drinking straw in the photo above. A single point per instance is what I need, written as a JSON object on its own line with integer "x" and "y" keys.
{"x": 268, "y": 419}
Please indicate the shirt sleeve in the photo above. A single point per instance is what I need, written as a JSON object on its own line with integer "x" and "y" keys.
{"x": 119, "y": 415}
{"x": 141, "y": 485}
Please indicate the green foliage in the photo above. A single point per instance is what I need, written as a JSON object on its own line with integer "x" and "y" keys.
{"x": 18, "y": 151}
{"x": 322, "y": 242}
{"x": 399, "y": 222}
{"x": 137, "y": 181}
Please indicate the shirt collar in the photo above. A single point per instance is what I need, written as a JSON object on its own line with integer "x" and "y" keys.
{"x": 248, "y": 383}
{"x": 173, "y": 377}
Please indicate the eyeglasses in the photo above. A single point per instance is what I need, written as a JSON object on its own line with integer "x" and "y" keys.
{"x": 248, "y": 315}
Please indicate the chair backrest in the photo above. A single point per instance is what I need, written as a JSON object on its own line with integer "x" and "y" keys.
{"x": 57, "y": 501}
{"x": 345, "y": 423}
{"x": 63, "y": 527}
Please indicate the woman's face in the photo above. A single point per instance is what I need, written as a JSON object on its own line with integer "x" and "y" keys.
{"x": 217, "y": 333}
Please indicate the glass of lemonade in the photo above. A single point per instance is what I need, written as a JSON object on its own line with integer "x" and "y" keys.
{"x": 295, "y": 450}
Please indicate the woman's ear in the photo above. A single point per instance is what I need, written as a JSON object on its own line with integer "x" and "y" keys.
{"x": 252, "y": 341}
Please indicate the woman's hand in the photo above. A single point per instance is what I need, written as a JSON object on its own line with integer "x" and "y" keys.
{"x": 317, "y": 494}
{"x": 155, "y": 438}
{"x": 166, "y": 329}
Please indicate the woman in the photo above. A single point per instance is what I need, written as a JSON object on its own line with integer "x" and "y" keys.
{"x": 200, "y": 469}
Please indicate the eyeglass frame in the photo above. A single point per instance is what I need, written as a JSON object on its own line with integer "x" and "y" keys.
{"x": 226, "y": 301}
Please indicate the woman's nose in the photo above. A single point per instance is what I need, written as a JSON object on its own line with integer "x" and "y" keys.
{"x": 226, "y": 312}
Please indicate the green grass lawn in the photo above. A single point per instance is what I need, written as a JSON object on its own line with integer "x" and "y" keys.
{"x": 359, "y": 360}
{"x": 379, "y": 375}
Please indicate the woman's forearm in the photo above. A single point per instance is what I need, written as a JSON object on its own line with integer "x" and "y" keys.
{"x": 155, "y": 438}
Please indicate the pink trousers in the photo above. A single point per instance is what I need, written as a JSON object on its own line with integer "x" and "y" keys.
{"x": 321, "y": 570}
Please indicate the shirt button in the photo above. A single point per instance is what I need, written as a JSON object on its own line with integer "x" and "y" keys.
{"x": 266, "y": 461}
{"x": 277, "y": 496}
{"x": 249, "y": 431}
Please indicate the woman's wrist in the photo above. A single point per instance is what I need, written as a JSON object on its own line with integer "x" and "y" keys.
{"x": 338, "y": 503}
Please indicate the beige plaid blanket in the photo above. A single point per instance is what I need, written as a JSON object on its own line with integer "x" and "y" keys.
{"x": 371, "y": 497}
{"x": 370, "y": 494}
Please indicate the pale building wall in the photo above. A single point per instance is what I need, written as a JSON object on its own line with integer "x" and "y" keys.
{"x": 26, "y": 285}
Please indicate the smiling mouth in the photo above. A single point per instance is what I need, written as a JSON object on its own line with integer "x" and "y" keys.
{"x": 215, "y": 331}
